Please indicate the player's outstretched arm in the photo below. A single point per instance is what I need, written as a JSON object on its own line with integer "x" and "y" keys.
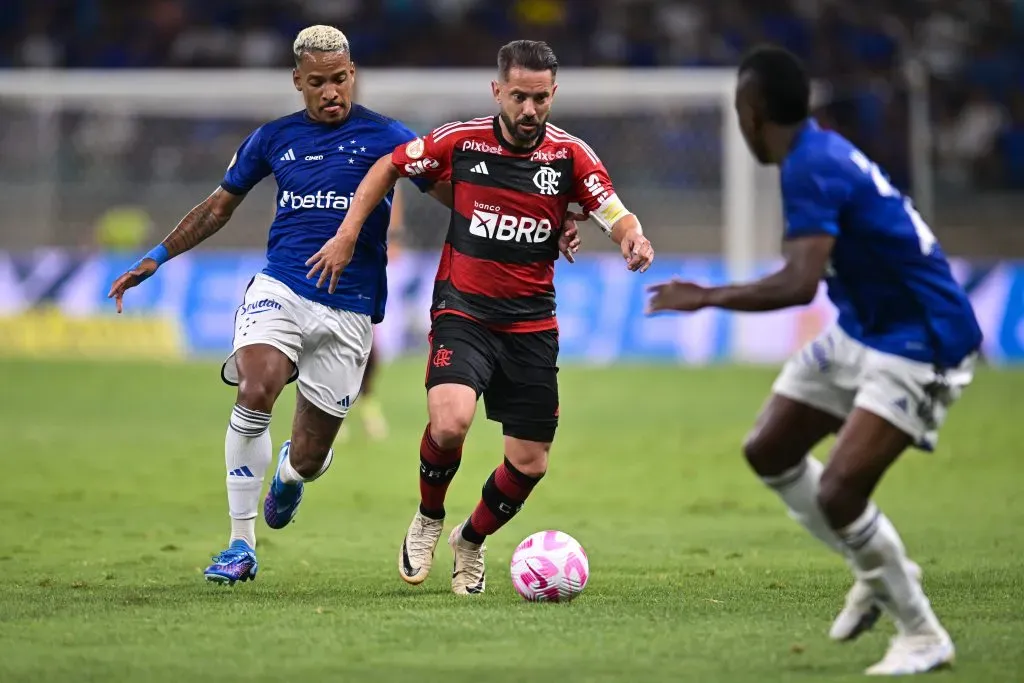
{"x": 337, "y": 252}
{"x": 198, "y": 224}
{"x": 795, "y": 284}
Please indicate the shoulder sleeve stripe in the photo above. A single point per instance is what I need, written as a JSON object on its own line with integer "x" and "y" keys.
{"x": 441, "y": 130}
{"x": 463, "y": 129}
{"x": 559, "y": 135}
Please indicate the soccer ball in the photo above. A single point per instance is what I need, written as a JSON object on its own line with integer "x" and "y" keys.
{"x": 550, "y": 566}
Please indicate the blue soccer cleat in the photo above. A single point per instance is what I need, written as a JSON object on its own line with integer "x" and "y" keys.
{"x": 237, "y": 563}
{"x": 282, "y": 501}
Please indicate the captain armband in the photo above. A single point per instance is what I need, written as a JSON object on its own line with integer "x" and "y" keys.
{"x": 609, "y": 212}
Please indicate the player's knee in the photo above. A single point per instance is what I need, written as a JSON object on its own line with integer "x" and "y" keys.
{"x": 449, "y": 429}
{"x": 257, "y": 394}
{"x": 533, "y": 465}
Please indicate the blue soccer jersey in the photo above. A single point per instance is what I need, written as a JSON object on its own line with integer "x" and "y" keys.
{"x": 318, "y": 168}
{"x": 888, "y": 275}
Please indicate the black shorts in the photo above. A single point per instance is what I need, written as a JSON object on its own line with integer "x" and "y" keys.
{"x": 517, "y": 373}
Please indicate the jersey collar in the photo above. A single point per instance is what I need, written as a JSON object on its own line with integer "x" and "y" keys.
{"x": 512, "y": 148}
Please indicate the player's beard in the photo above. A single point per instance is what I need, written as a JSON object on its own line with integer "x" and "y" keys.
{"x": 524, "y": 138}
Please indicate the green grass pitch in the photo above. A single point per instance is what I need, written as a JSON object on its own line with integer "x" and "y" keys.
{"x": 113, "y": 501}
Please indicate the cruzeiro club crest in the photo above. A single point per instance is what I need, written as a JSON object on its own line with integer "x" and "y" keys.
{"x": 546, "y": 180}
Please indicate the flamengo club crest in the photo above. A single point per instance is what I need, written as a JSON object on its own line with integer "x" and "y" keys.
{"x": 546, "y": 180}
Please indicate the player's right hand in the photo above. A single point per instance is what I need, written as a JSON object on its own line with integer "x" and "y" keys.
{"x": 569, "y": 240}
{"x": 331, "y": 261}
{"x": 637, "y": 251}
{"x": 132, "y": 278}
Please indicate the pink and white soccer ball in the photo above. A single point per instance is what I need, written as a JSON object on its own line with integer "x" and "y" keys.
{"x": 550, "y": 566}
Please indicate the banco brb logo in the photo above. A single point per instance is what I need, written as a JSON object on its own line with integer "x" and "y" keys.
{"x": 546, "y": 180}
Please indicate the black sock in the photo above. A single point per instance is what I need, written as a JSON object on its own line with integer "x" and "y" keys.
{"x": 471, "y": 534}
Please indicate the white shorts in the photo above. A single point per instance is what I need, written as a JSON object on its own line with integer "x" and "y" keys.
{"x": 836, "y": 373}
{"x": 329, "y": 347}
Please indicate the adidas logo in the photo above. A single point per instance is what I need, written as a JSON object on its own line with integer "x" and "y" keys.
{"x": 242, "y": 471}
{"x": 480, "y": 168}
{"x": 345, "y": 402}
{"x": 289, "y": 156}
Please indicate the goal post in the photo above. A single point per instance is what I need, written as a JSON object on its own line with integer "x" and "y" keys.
{"x": 76, "y": 139}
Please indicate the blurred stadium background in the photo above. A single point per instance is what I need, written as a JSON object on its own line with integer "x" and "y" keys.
{"x": 115, "y": 118}
{"x": 118, "y": 116}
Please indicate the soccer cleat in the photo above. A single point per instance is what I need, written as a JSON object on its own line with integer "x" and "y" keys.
{"x": 915, "y": 654}
{"x": 859, "y": 614}
{"x": 861, "y": 611}
{"x": 237, "y": 563}
{"x": 282, "y": 501}
{"x": 417, "y": 552}
{"x": 468, "y": 575}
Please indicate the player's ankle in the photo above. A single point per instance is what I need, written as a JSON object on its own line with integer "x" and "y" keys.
{"x": 435, "y": 514}
{"x": 471, "y": 535}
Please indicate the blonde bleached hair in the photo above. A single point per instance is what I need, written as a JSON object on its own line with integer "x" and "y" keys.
{"x": 319, "y": 38}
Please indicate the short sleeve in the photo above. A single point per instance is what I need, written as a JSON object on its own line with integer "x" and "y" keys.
{"x": 402, "y": 137}
{"x": 249, "y": 165}
{"x": 812, "y": 198}
{"x": 593, "y": 188}
{"x": 428, "y": 158}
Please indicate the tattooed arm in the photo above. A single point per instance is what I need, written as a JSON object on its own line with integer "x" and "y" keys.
{"x": 197, "y": 225}
{"x": 202, "y": 221}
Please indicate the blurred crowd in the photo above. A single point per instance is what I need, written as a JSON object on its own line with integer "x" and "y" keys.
{"x": 973, "y": 50}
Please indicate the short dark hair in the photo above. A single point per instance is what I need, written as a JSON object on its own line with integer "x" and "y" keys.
{"x": 783, "y": 83}
{"x": 532, "y": 55}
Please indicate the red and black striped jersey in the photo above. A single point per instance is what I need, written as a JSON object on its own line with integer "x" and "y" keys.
{"x": 498, "y": 261}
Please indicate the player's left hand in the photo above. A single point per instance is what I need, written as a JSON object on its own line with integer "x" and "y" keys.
{"x": 331, "y": 261}
{"x": 676, "y": 295}
{"x": 637, "y": 251}
{"x": 569, "y": 240}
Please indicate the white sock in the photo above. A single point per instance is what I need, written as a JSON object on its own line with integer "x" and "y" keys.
{"x": 880, "y": 560}
{"x": 289, "y": 475}
{"x": 798, "y": 489}
{"x": 248, "y": 451}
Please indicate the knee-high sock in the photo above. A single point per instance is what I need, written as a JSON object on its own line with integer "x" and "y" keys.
{"x": 502, "y": 497}
{"x": 880, "y": 560}
{"x": 247, "y": 454}
{"x": 437, "y": 469}
{"x": 798, "y": 489}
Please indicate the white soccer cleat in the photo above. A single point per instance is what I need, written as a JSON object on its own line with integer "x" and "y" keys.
{"x": 862, "y": 610}
{"x": 416, "y": 555}
{"x": 915, "y": 654}
{"x": 859, "y": 614}
{"x": 468, "y": 576}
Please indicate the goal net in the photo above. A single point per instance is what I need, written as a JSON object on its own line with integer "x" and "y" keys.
{"x": 78, "y": 143}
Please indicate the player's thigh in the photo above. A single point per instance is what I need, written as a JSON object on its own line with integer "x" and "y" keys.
{"x": 459, "y": 368}
{"x": 266, "y": 343}
{"x": 336, "y": 346}
{"x": 914, "y": 397}
{"x": 523, "y": 395}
